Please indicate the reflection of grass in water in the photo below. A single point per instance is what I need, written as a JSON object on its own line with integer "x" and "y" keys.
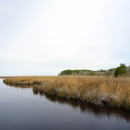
{"x": 96, "y": 111}
{"x": 20, "y": 86}
{"x": 96, "y": 90}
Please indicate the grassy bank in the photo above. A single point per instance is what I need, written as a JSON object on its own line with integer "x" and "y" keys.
{"x": 96, "y": 90}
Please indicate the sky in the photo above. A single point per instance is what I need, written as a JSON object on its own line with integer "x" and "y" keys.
{"x": 45, "y": 37}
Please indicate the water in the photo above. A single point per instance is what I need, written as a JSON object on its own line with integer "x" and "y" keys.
{"x": 25, "y": 109}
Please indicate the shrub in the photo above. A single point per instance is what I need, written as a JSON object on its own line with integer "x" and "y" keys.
{"x": 121, "y": 70}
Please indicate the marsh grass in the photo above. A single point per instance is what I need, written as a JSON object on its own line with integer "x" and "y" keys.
{"x": 96, "y": 90}
{"x": 7, "y": 77}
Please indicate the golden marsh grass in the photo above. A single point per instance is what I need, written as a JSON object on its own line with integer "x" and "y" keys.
{"x": 7, "y": 77}
{"x": 96, "y": 90}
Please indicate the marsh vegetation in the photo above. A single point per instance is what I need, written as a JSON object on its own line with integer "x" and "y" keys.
{"x": 92, "y": 89}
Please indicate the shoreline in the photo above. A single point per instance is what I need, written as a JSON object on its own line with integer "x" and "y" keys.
{"x": 99, "y": 91}
{"x": 84, "y": 106}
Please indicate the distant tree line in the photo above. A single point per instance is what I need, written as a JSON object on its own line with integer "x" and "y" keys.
{"x": 69, "y": 72}
{"x": 82, "y": 72}
{"x": 122, "y": 70}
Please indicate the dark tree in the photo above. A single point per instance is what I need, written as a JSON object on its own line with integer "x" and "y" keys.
{"x": 121, "y": 70}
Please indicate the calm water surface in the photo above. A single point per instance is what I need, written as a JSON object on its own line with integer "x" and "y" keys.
{"x": 21, "y": 108}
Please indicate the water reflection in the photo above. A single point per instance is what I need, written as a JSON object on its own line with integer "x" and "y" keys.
{"x": 96, "y": 111}
{"x": 35, "y": 92}
{"x": 21, "y": 86}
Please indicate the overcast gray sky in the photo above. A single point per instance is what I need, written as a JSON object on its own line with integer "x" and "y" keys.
{"x": 44, "y": 37}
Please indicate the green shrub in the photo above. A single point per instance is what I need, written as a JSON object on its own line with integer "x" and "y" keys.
{"x": 121, "y": 70}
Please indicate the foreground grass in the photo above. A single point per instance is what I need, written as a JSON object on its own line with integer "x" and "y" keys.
{"x": 96, "y": 90}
